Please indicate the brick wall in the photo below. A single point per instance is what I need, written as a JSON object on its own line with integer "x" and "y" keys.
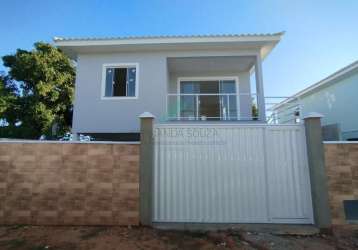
{"x": 69, "y": 183}
{"x": 342, "y": 170}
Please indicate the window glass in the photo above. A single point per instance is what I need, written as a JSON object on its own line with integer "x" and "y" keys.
{"x": 188, "y": 106}
{"x": 189, "y": 87}
{"x": 227, "y": 87}
{"x": 209, "y": 99}
{"x": 131, "y": 80}
{"x": 228, "y": 102}
{"x": 109, "y": 82}
{"x": 209, "y": 87}
{"x": 120, "y": 81}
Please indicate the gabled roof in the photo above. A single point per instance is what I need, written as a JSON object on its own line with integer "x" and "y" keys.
{"x": 74, "y": 46}
{"x": 344, "y": 72}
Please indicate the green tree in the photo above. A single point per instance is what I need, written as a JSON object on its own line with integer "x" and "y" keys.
{"x": 7, "y": 93}
{"x": 8, "y": 106}
{"x": 44, "y": 91}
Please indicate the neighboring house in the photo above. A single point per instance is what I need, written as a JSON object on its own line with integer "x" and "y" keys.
{"x": 335, "y": 97}
{"x": 176, "y": 78}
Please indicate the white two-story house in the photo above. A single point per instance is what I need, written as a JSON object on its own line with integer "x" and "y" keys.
{"x": 176, "y": 78}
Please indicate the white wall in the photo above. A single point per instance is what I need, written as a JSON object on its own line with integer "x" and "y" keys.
{"x": 94, "y": 115}
{"x": 338, "y": 103}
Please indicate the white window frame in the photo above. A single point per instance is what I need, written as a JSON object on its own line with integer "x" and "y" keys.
{"x": 119, "y": 65}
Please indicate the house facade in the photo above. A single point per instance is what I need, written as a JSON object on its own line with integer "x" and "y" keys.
{"x": 176, "y": 78}
{"x": 335, "y": 97}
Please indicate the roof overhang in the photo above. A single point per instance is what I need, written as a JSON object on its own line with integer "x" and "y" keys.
{"x": 331, "y": 79}
{"x": 201, "y": 65}
{"x": 262, "y": 42}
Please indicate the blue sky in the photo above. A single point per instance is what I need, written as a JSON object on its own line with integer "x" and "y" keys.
{"x": 321, "y": 35}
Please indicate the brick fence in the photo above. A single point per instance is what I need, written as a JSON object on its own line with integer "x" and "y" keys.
{"x": 69, "y": 183}
{"x": 342, "y": 170}
{"x": 44, "y": 183}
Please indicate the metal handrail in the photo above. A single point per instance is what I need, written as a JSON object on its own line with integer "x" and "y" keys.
{"x": 226, "y": 111}
{"x": 284, "y": 112}
{"x": 211, "y": 94}
{"x": 288, "y": 112}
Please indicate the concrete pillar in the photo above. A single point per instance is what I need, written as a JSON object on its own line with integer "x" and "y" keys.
{"x": 260, "y": 90}
{"x": 146, "y": 165}
{"x": 319, "y": 187}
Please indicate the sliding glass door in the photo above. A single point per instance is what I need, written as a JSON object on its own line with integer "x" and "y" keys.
{"x": 228, "y": 101}
{"x": 208, "y": 100}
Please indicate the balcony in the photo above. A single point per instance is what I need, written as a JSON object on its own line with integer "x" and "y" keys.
{"x": 231, "y": 107}
{"x": 212, "y": 107}
{"x": 215, "y": 88}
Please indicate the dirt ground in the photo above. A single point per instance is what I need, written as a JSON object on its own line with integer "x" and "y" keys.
{"x": 99, "y": 238}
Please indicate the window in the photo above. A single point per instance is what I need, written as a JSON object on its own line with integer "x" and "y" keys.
{"x": 120, "y": 81}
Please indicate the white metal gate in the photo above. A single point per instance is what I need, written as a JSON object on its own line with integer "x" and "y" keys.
{"x": 231, "y": 174}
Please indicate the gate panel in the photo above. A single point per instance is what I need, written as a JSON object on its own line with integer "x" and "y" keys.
{"x": 288, "y": 175}
{"x": 230, "y": 174}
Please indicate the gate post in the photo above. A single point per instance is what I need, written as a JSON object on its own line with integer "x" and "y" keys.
{"x": 146, "y": 166}
{"x": 318, "y": 177}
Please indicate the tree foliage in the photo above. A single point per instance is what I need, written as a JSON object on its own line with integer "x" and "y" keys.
{"x": 7, "y": 93}
{"x": 254, "y": 112}
{"x": 38, "y": 91}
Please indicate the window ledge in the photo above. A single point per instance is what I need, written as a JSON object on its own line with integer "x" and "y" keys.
{"x": 119, "y": 98}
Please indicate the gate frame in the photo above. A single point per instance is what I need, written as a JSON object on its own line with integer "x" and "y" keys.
{"x": 315, "y": 154}
{"x": 146, "y": 167}
{"x": 318, "y": 175}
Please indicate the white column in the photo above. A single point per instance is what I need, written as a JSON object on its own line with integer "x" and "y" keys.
{"x": 260, "y": 89}
{"x": 245, "y": 99}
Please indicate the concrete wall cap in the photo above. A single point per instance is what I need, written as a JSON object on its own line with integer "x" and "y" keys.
{"x": 146, "y": 115}
{"x": 313, "y": 115}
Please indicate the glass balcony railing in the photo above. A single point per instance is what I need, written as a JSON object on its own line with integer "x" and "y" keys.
{"x": 212, "y": 107}
{"x": 231, "y": 107}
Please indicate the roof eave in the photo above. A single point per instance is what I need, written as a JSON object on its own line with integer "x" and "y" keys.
{"x": 165, "y": 39}
{"x": 324, "y": 82}
{"x": 70, "y": 45}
